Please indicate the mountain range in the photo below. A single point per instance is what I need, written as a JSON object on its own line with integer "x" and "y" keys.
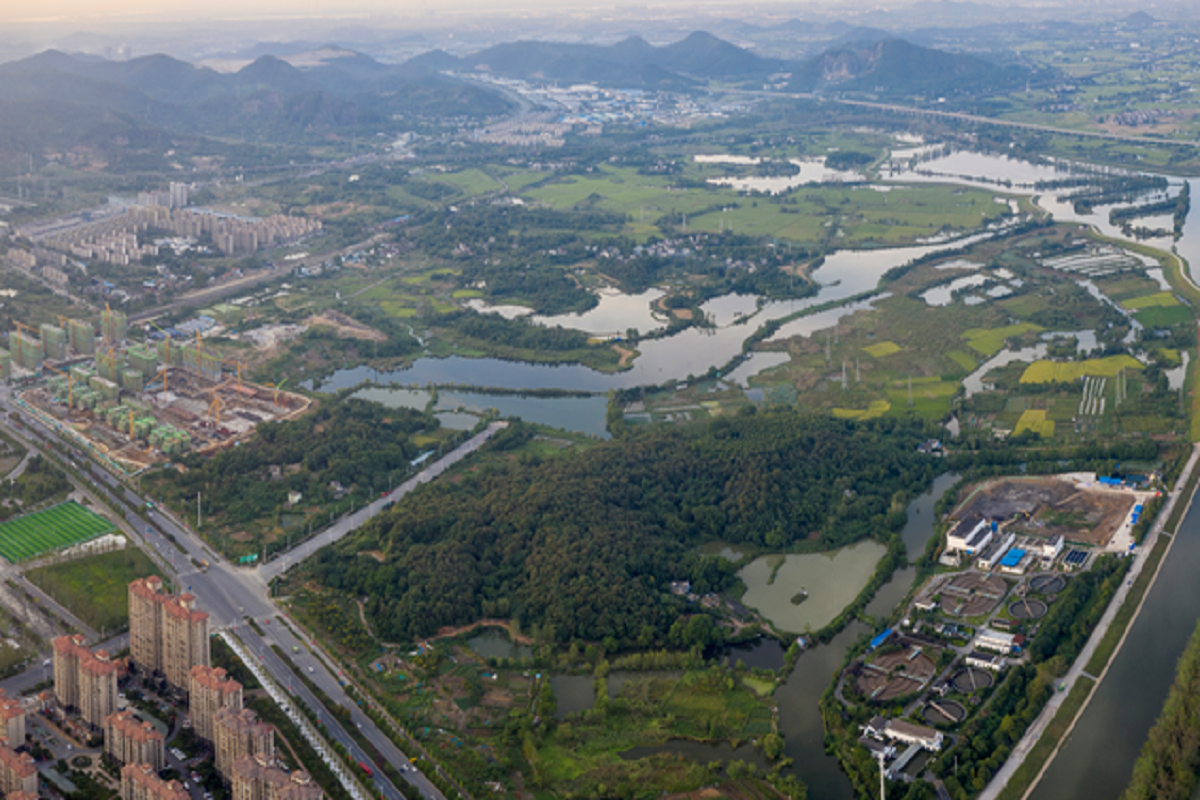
{"x": 339, "y": 89}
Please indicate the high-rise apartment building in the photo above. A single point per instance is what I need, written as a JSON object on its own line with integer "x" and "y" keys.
{"x": 256, "y": 778}
{"x": 210, "y": 690}
{"x": 17, "y": 772}
{"x": 131, "y": 741}
{"x": 12, "y": 720}
{"x": 239, "y": 733}
{"x": 167, "y": 633}
{"x": 141, "y": 782}
{"x": 84, "y": 680}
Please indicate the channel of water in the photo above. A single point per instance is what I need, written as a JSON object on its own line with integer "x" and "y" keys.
{"x": 1096, "y": 762}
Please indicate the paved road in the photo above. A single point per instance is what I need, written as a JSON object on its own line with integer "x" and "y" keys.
{"x": 280, "y": 565}
{"x": 229, "y": 594}
{"x": 1038, "y": 726}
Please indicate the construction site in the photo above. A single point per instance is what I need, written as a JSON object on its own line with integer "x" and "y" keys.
{"x": 138, "y": 405}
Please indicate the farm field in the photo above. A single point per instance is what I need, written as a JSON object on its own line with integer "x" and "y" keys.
{"x": 30, "y": 536}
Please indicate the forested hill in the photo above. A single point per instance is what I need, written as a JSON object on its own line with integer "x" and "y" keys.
{"x": 587, "y": 544}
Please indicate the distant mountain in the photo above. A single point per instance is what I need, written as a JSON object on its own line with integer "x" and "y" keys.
{"x": 896, "y": 67}
{"x": 1138, "y": 20}
{"x": 344, "y": 89}
{"x": 630, "y": 63}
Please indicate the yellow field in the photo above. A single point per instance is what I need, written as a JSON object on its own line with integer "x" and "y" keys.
{"x": 990, "y": 341}
{"x": 877, "y": 409}
{"x": 1159, "y": 300}
{"x": 1055, "y": 372}
{"x": 881, "y": 349}
{"x": 1035, "y": 421}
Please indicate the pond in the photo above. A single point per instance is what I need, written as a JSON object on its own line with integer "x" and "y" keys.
{"x": 494, "y": 643}
{"x": 808, "y": 170}
{"x": 574, "y": 693}
{"x": 762, "y": 653}
{"x": 831, "y": 579}
{"x": 727, "y": 551}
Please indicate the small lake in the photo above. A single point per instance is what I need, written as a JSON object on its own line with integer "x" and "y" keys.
{"x": 763, "y": 653}
{"x": 727, "y": 551}
{"x": 832, "y": 580}
{"x": 494, "y": 643}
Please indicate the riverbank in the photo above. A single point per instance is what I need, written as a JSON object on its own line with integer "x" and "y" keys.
{"x": 998, "y": 787}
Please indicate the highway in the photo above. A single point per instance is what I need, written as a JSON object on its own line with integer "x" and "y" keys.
{"x": 230, "y": 594}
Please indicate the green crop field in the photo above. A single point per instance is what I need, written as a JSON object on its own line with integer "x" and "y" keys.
{"x": 30, "y": 536}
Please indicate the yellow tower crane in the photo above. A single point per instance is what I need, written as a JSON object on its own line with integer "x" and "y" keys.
{"x": 214, "y": 410}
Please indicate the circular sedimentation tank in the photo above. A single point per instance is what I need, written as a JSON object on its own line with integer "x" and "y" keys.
{"x": 1027, "y": 609}
{"x": 940, "y": 712}
{"x": 972, "y": 679}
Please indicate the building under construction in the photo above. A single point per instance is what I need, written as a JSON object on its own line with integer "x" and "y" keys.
{"x": 138, "y": 405}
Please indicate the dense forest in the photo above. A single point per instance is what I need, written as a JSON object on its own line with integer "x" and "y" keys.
{"x": 351, "y": 441}
{"x": 1167, "y": 768}
{"x": 583, "y": 547}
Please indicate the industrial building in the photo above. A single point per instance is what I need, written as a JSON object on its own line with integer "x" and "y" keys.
{"x": 897, "y": 730}
{"x": 995, "y": 641}
{"x": 970, "y": 535}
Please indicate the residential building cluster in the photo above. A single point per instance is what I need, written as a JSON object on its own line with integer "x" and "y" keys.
{"x": 167, "y": 632}
{"x": 168, "y": 636}
{"x": 230, "y": 234}
{"x": 118, "y": 239}
{"x": 532, "y": 130}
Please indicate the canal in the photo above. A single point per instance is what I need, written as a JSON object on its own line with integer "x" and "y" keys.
{"x": 1097, "y": 760}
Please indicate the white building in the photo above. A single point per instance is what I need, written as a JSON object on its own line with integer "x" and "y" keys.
{"x": 989, "y": 562}
{"x": 995, "y": 641}
{"x": 970, "y": 535}
{"x": 986, "y": 661}
{"x": 897, "y": 730}
{"x": 1053, "y": 548}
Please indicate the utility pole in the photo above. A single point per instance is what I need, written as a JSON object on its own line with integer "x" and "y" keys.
{"x": 910, "y": 391}
{"x": 857, "y": 372}
{"x": 198, "y": 518}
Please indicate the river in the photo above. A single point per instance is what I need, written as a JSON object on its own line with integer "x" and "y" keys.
{"x": 1096, "y": 762}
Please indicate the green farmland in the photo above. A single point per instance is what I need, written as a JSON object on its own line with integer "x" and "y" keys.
{"x": 61, "y": 526}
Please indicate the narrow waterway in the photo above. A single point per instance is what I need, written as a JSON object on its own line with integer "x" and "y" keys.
{"x": 799, "y": 698}
{"x": 1097, "y": 760}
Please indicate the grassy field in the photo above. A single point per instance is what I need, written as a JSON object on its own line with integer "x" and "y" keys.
{"x": 30, "y": 536}
{"x": 882, "y": 349}
{"x": 95, "y": 589}
{"x": 854, "y": 216}
{"x": 1066, "y": 372}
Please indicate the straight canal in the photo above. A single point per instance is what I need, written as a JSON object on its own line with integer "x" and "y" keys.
{"x": 1097, "y": 760}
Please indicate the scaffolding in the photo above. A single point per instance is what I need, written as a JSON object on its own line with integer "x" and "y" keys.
{"x": 54, "y": 342}
{"x": 81, "y": 335}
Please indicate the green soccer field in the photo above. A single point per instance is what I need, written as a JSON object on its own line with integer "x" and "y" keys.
{"x": 70, "y": 523}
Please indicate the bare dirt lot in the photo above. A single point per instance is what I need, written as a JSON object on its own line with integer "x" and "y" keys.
{"x": 1050, "y": 506}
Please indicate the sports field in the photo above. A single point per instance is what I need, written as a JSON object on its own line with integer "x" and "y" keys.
{"x": 69, "y": 523}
